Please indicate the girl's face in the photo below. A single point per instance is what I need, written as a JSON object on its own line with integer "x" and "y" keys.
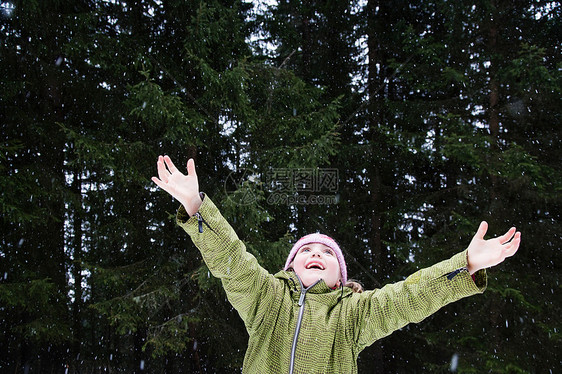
{"x": 316, "y": 261}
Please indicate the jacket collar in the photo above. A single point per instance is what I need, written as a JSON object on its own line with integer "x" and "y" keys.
{"x": 295, "y": 285}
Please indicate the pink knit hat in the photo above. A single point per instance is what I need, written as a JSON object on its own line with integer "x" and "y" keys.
{"x": 322, "y": 239}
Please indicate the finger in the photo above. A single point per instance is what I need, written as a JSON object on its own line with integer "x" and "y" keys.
{"x": 482, "y": 229}
{"x": 507, "y": 236}
{"x": 191, "y": 168}
{"x": 164, "y": 186}
{"x": 163, "y": 173}
{"x": 512, "y": 247}
{"x": 159, "y": 183}
{"x": 170, "y": 164}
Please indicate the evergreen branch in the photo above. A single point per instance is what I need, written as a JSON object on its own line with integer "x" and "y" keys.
{"x": 364, "y": 104}
{"x": 287, "y": 59}
{"x": 177, "y": 83}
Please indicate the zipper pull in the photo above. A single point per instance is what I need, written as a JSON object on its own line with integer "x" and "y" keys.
{"x": 199, "y": 221}
{"x": 301, "y": 298}
{"x": 453, "y": 274}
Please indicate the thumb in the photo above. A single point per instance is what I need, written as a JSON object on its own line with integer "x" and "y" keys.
{"x": 191, "y": 168}
{"x": 482, "y": 229}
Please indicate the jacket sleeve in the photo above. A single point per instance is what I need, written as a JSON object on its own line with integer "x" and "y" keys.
{"x": 382, "y": 311}
{"x": 249, "y": 287}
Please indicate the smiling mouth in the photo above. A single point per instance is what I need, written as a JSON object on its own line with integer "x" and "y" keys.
{"x": 315, "y": 266}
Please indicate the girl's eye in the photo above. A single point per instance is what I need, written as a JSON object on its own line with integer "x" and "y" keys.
{"x": 327, "y": 251}
{"x": 305, "y": 250}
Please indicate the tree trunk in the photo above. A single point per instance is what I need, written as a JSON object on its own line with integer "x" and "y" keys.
{"x": 375, "y": 81}
{"x": 77, "y": 271}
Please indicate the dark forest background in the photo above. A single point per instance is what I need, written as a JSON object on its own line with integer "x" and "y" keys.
{"x": 434, "y": 114}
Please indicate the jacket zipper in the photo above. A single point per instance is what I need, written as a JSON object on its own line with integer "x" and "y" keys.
{"x": 200, "y": 221}
{"x": 299, "y": 322}
{"x": 454, "y": 273}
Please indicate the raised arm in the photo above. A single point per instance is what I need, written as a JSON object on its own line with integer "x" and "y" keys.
{"x": 483, "y": 254}
{"x": 424, "y": 292}
{"x": 184, "y": 188}
{"x": 249, "y": 287}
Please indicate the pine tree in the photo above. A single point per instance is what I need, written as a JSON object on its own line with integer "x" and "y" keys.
{"x": 434, "y": 115}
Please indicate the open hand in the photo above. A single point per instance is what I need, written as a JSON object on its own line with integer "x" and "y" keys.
{"x": 184, "y": 188}
{"x": 486, "y": 253}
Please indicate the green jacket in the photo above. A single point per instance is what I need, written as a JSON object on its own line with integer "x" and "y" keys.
{"x": 316, "y": 330}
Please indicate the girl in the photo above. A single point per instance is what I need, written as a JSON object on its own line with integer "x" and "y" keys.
{"x": 305, "y": 319}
